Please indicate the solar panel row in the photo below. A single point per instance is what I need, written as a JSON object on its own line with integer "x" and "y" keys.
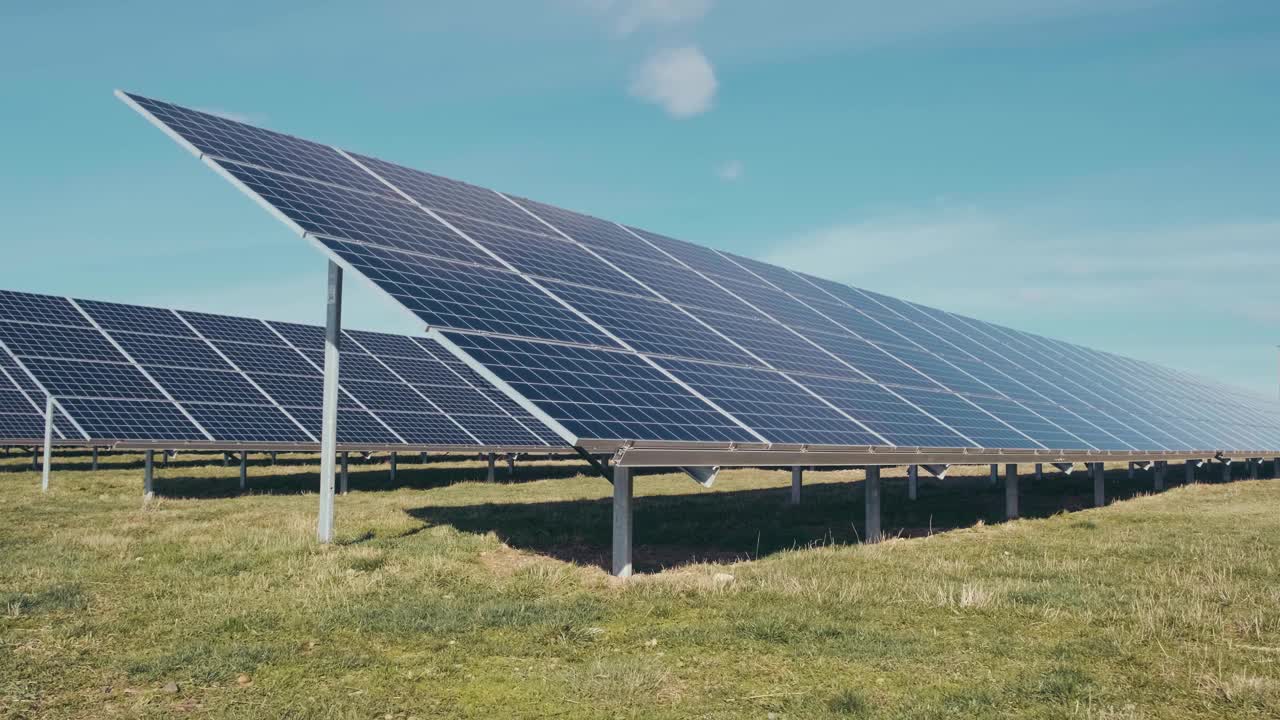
{"x": 131, "y": 373}
{"x": 622, "y": 334}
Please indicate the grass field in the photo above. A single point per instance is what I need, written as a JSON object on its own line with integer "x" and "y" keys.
{"x": 450, "y": 597}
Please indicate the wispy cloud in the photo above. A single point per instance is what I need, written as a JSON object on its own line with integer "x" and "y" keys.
{"x": 731, "y": 171}
{"x": 629, "y": 16}
{"x": 679, "y": 80}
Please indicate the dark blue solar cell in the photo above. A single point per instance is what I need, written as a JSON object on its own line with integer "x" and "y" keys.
{"x": 224, "y": 327}
{"x": 303, "y": 337}
{"x": 21, "y": 426}
{"x": 295, "y": 391}
{"x": 980, "y": 427}
{"x": 651, "y": 327}
{"x": 385, "y": 346}
{"x": 778, "y": 305}
{"x": 452, "y": 196}
{"x": 267, "y": 359}
{"x": 773, "y": 344}
{"x": 701, "y": 259}
{"x": 231, "y": 140}
{"x": 543, "y": 256}
{"x": 354, "y": 426}
{"x": 678, "y": 284}
{"x": 455, "y": 296}
{"x": 150, "y": 350}
{"x": 862, "y": 325}
{"x": 1037, "y": 427}
{"x": 373, "y": 219}
{"x": 215, "y": 386}
{"x": 74, "y": 378}
{"x": 120, "y": 419}
{"x": 771, "y": 404}
{"x": 44, "y": 309}
{"x": 422, "y": 371}
{"x": 1074, "y": 423}
{"x": 29, "y": 340}
{"x": 939, "y": 370}
{"x": 432, "y": 428}
{"x": 459, "y": 399}
{"x": 378, "y": 396}
{"x": 601, "y": 394}
{"x": 590, "y": 231}
{"x": 883, "y": 413}
{"x": 134, "y": 318}
{"x": 247, "y": 423}
{"x": 879, "y": 365}
{"x": 503, "y": 430}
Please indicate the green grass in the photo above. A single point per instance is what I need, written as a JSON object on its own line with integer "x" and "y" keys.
{"x": 449, "y": 597}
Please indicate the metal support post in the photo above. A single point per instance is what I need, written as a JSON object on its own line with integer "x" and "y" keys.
{"x": 226, "y": 459}
{"x": 995, "y": 475}
{"x": 94, "y": 461}
{"x": 913, "y": 482}
{"x": 244, "y": 470}
{"x": 1157, "y": 475}
{"x": 1190, "y": 470}
{"x": 511, "y": 465}
{"x": 392, "y": 462}
{"x": 343, "y": 486}
{"x": 273, "y": 457}
{"x": 422, "y": 458}
{"x": 622, "y": 516}
{"x": 873, "y": 503}
{"x": 48, "y": 444}
{"x": 1099, "y": 484}
{"x": 1226, "y": 471}
{"x": 797, "y": 478}
{"x": 35, "y": 458}
{"x": 148, "y": 474}
{"x": 1275, "y": 468}
{"x": 492, "y": 459}
{"x": 1253, "y": 469}
{"x": 1011, "y": 491}
{"x": 1039, "y": 472}
{"x": 329, "y": 421}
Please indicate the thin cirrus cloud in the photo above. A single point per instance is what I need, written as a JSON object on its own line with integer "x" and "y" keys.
{"x": 731, "y": 171}
{"x": 630, "y": 16}
{"x": 679, "y": 80}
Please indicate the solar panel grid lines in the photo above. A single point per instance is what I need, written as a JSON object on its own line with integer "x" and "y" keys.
{"x": 208, "y": 435}
{"x": 605, "y": 331}
{"x": 414, "y": 389}
{"x": 572, "y": 308}
{"x": 30, "y": 386}
{"x": 343, "y": 391}
{"x": 191, "y": 327}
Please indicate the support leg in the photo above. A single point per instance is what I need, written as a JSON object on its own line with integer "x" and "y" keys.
{"x": 35, "y": 458}
{"x": 226, "y": 459}
{"x": 422, "y": 459}
{"x": 913, "y": 482}
{"x": 492, "y": 460}
{"x": 94, "y": 466}
{"x": 244, "y": 470}
{"x": 622, "y": 516}
{"x": 797, "y": 478}
{"x": 48, "y": 445}
{"x": 329, "y": 412}
{"x": 343, "y": 485}
{"x": 1189, "y": 468}
{"x": 1011, "y": 491}
{"x": 1039, "y": 472}
{"x": 393, "y": 467}
{"x": 873, "y": 503}
{"x": 1157, "y": 475}
{"x": 1099, "y": 484}
{"x": 1226, "y": 472}
{"x": 1275, "y": 468}
{"x": 273, "y": 458}
{"x": 995, "y": 475}
{"x": 1253, "y": 469}
{"x": 511, "y": 465}
{"x": 148, "y": 474}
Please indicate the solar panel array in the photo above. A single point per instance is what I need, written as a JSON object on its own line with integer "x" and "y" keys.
{"x": 131, "y": 373}
{"x": 619, "y": 333}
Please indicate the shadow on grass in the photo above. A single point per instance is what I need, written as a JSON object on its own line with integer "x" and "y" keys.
{"x": 675, "y": 530}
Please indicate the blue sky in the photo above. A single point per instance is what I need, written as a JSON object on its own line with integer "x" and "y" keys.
{"x": 1104, "y": 171}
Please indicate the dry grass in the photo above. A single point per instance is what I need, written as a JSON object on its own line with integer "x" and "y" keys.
{"x": 449, "y": 597}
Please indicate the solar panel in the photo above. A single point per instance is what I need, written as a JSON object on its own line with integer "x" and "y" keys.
{"x": 618, "y": 333}
{"x": 131, "y": 373}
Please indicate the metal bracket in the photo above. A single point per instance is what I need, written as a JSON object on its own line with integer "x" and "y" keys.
{"x": 704, "y": 475}
{"x": 938, "y": 471}
{"x": 1066, "y": 468}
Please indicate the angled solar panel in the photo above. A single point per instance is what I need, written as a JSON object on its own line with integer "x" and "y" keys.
{"x": 125, "y": 373}
{"x": 609, "y": 333}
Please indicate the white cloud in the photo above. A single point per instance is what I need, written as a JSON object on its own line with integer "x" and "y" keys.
{"x": 680, "y": 80}
{"x": 628, "y": 16}
{"x": 731, "y": 171}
